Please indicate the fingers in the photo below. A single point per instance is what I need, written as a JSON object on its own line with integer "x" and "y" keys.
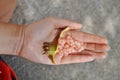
{"x": 61, "y": 23}
{"x": 97, "y": 47}
{"x": 89, "y": 38}
{"x": 97, "y": 55}
{"x": 76, "y": 59}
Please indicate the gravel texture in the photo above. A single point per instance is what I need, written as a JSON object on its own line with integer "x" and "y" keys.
{"x": 100, "y": 17}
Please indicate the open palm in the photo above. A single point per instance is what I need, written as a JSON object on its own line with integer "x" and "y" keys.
{"x": 45, "y": 30}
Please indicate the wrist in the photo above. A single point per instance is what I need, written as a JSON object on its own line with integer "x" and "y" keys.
{"x": 11, "y": 38}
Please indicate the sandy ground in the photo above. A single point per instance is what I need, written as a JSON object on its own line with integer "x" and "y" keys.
{"x": 100, "y": 17}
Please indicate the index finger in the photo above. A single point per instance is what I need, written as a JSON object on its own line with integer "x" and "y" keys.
{"x": 61, "y": 23}
{"x": 87, "y": 37}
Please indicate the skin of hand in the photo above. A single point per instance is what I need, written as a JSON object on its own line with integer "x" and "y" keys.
{"x": 11, "y": 38}
{"x": 46, "y": 29}
{"x": 6, "y": 9}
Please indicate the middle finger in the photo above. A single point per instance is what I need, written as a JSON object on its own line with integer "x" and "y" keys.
{"x": 97, "y": 47}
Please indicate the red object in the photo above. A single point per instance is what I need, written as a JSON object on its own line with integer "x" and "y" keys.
{"x": 6, "y": 73}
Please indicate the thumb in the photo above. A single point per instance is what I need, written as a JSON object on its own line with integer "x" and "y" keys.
{"x": 62, "y": 23}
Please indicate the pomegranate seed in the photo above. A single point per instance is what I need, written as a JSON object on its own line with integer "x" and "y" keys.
{"x": 67, "y": 45}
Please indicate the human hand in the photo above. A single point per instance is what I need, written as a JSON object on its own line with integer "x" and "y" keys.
{"x": 45, "y": 30}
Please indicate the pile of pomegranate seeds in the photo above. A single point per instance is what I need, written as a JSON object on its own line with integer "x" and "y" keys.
{"x": 67, "y": 45}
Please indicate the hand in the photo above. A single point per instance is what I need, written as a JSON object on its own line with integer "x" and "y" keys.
{"x": 45, "y": 31}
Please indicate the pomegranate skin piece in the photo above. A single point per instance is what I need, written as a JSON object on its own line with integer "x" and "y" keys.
{"x": 64, "y": 45}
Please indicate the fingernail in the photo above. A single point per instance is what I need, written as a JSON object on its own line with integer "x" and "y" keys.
{"x": 106, "y": 41}
{"x": 101, "y": 56}
{"x": 109, "y": 48}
